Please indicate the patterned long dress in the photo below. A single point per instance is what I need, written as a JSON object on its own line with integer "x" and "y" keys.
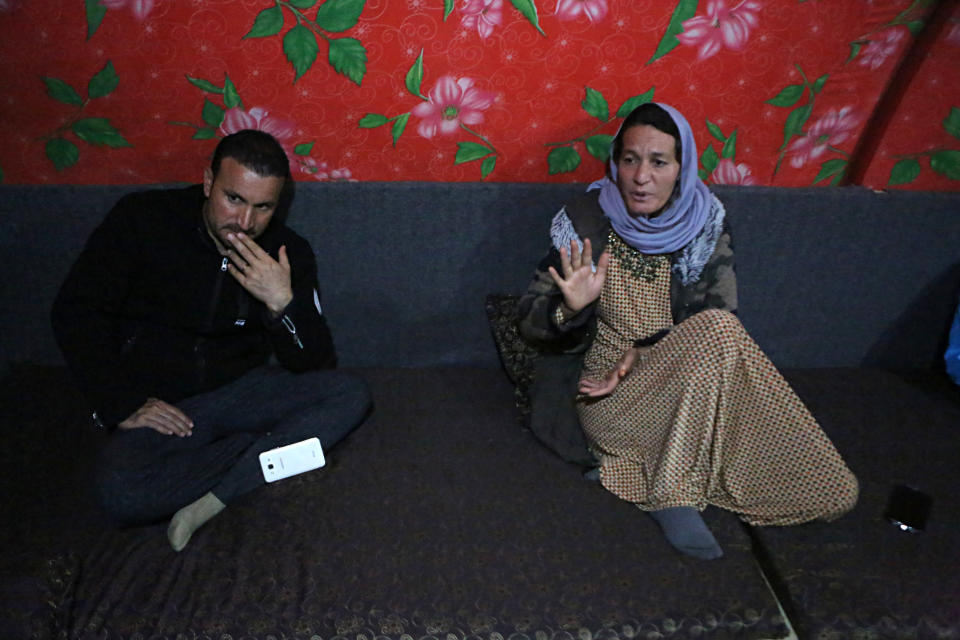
{"x": 704, "y": 417}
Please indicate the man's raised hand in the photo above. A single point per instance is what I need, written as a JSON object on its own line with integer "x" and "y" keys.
{"x": 266, "y": 279}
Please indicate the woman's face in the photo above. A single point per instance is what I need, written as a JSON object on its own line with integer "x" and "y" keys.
{"x": 647, "y": 170}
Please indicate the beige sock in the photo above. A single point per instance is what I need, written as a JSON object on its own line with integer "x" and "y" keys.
{"x": 190, "y": 518}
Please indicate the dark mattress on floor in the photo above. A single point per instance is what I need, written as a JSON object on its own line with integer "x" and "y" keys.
{"x": 439, "y": 518}
{"x": 860, "y": 577}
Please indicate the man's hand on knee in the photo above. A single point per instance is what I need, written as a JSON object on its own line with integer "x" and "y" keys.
{"x": 160, "y": 416}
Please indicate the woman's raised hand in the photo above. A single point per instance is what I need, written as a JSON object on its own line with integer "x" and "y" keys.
{"x": 580, "y": 284}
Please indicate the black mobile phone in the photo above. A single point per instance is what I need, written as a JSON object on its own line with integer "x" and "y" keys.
{"x": 908, "y": 508}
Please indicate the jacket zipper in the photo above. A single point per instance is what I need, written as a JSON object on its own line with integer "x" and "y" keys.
{"x": 211, "y": 313}
{"x": 131, "y": 340}
{"x": 292, "y": 328}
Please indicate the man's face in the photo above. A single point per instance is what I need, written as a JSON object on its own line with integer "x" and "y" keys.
{"x": 647, "y": 170}
{"x": 238, "y": 200}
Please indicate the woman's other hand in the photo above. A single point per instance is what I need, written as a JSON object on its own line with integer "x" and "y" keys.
{"x": 605, "y": 386}
{"x": 580, "y": 284}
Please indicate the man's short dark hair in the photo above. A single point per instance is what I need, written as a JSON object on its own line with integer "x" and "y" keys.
{"x": 256, "y": 150}
{"x": 655, "y": 116}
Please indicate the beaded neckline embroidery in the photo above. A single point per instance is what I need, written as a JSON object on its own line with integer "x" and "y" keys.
{"x": 638, "y": 265}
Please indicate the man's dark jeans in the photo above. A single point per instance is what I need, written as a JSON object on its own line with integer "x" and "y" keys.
{"x": 143, "y": 476}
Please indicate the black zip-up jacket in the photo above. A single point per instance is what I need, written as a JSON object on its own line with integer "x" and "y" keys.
{"x": 150, "y": 310}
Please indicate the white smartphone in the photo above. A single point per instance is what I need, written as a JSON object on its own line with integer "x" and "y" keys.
{"x": 291, "y": 459}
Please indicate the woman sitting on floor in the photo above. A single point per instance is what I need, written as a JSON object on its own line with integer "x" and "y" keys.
{"x": 680, "y": 406}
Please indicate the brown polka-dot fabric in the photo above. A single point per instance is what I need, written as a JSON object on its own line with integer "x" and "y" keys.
{"x": 704, "y": 417}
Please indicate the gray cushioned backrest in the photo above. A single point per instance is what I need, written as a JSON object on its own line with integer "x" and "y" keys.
{"x": 828, "y": 276}
{"x": 846, "y": 276}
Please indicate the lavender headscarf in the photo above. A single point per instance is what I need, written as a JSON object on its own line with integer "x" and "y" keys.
{"x": 676, "y": 225}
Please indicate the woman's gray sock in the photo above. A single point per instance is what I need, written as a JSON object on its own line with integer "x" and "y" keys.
{"x": 687, "y": 532}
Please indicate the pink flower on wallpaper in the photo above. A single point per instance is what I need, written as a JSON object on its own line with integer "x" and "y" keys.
{"x": 321, "y": 172}
{"x": 596, "y": 10}
{"x": 310, "y": 167}
{"x": 237, "y": 119}
{"x": 881, "y": 48}
{"x": 721, "y": 27}
{"x": 831, "y": 129}
{"x": 482, "y": 15}
{"x": 729, "y": 173}
{"x": 141, "y": 8}
{"x": 452, "y": 102}
{"x": 258, "y": 118}
{"x": 953, "y": 35}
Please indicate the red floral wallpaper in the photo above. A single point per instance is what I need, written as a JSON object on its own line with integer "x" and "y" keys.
{"x": 779, "y": 92}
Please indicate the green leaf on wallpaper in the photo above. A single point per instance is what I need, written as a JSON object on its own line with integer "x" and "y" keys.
{"x": 596, "y": 105}
{"x": 529, "y": 11}
{"x": 372, "y": 121}
{"x": 946, "y": 163}
{"x": 599, "y": 146}
{"x": 231, "y": 97}
{"x": 348, "y": 57}
{"x": 205, "y": 133}
{"x": 703, "y": 174}
{"x": 95, "y": 14}
{"x": 302, "y": 4}
{"x": 104, "y": 82}
{"x": 684, "y": 11}
{"x": 795, "y": 121}
{"x": 339, "y": 15}
{"x": 952, "y": 122}
{"x": 819, "y": 82}
{"x": 709, "y": 159}
{"x": 204, "y": 85}
{"x": 415, "y": 77}
{"x": 788, "y": 96}
{"x": 212, "y": 113}
{"x": 855, "y": 47}
{"x": 62, "y": 92}
{"x": 99, "y": 131}
{"x": 447, "y": 9}
{"x": 730, "y": 146}
{"x": 835, "y": 169}
{"x": 300, "y": 46}
{"x": 486, "y": 168}
{"x": 470, "y": 151}
{"x": 398, "y": 126}
{"x": 562, "y": 160}
{"x": 62, "y": 153}
{"x": 715, "y": 131}
{"x": 303, "y": 149}
{"x": 905, "y": 171}
{"x": 634, "y": 102}
{"x": 267, "y": 23}
{"x": 915, "y": 26}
